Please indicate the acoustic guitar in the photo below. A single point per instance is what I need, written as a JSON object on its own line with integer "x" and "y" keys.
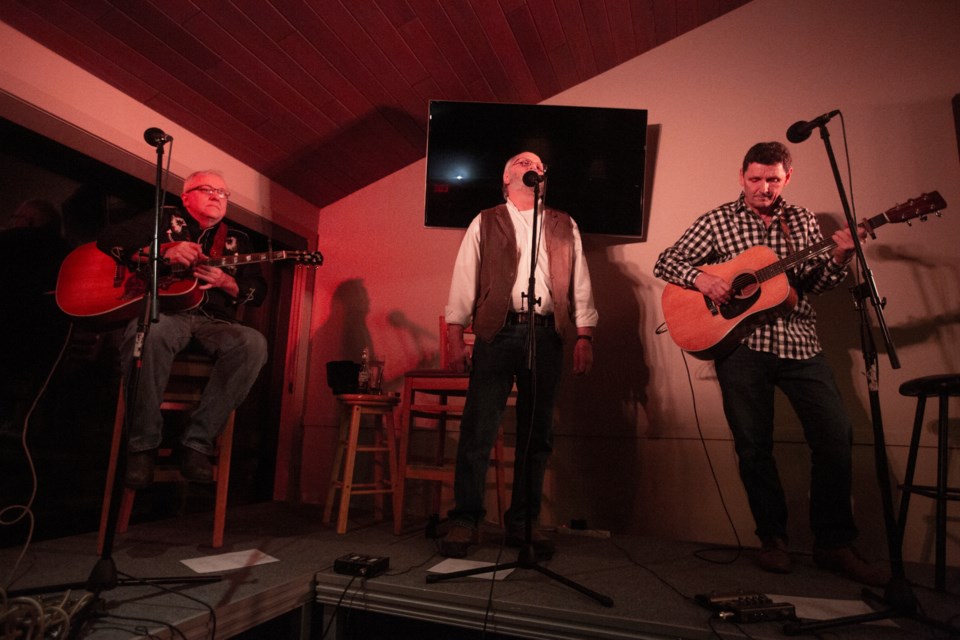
{"x": 93, "y": 286}
{"x": 761, "y": 290}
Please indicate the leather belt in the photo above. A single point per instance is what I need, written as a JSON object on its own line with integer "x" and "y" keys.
{"x": 521, "y": 318}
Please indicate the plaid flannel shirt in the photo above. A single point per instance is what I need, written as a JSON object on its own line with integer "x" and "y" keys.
{"x": 726, "y": 232}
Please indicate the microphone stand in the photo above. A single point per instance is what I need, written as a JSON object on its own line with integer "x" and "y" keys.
{"x": 104, "y": 575}
{"x": 898, "y": 595}
{"x": 527, "y": 556}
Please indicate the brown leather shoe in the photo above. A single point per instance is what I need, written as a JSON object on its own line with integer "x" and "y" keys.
{"x": 195, "y": 466}
{"x": 543, "y": 546}
{"x": 847, "y": 562}
{"x": 139, "y": 470}
{"x": 773, "y": 556}
{"x": 459, "y": 539}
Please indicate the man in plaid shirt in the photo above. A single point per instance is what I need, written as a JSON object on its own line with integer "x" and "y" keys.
{"x": 783, "y": 352}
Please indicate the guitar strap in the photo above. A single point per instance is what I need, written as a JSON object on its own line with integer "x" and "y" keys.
{"x": 786, "y": 234}
{"x": 219, "y": 242}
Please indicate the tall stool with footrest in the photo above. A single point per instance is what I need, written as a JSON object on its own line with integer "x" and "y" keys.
{"x": 942, "y": 387}
{"x": 187, "y": 378}
{"x": 354, "y": 406}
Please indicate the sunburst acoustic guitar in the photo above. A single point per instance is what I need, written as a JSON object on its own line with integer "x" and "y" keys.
{"x": 93, "y": 286}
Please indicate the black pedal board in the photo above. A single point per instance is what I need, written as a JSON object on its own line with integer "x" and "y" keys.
{"x": 355, "y": 564}
{"x": 742, "y": 606}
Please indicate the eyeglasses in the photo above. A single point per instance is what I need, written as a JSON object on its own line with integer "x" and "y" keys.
{"x": 527, "y": 163}
{"x": 207, "y": 190}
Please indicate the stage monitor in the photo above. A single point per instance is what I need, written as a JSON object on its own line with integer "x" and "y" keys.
{"x": 594, "y": 155}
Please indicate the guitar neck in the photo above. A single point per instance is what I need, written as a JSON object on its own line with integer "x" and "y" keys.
{"x": 249, "y": 258}
{"x": 817, "y": 249}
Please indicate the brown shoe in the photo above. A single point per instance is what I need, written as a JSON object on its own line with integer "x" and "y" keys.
{"x": 459, "y": 539}
{"x": 195, "y": 466}
{"x": 543, "y": 546}
{"x": 139, "y": 471}
{"x": 847, "y": 562}
{"x": 773, "y": 556}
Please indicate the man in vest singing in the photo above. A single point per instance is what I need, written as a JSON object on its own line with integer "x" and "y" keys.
{"x": 490, "y": 289}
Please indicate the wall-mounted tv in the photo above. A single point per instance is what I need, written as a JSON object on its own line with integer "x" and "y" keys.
{"x": 594, "y": 155}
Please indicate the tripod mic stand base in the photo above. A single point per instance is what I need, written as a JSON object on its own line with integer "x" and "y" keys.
{"x": 103, "y": 577}
{"x": 898, "y": 601}
{"x": 525, "y": 560}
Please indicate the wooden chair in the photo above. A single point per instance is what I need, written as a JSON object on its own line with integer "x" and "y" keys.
{"x": 431, "y": 399}
{"x": 354, "y": 406}
{"x": 187, "y": 379}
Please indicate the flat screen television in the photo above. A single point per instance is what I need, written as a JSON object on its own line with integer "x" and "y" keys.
{"x": 595, "y": 159}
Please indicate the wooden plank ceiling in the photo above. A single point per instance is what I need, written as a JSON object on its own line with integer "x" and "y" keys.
{"x": 328, "y": 96}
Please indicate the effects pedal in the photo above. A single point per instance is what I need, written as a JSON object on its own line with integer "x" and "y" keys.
{"x": 355, "y": 564}
{"x": 741, "y": 606}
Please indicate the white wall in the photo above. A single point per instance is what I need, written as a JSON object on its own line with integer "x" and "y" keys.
{"x": 629, "y": 455}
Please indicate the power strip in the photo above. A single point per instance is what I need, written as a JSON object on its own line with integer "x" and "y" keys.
{"x": 355, "y": 564}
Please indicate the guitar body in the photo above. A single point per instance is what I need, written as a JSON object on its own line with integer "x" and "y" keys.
{"x": 91, "y": 285}
{"x": 708, "y": 332}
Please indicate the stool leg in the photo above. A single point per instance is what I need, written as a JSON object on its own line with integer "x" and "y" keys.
{"x": 911, "y": 465}
{"x": 399, "y": 485}
{"x": 225, "y": 454}
{"x": 942, "y": 463}
{"x": 390, "y": 425}
{"x": 499, "y": 474}
{"x": 111, "y": 470}
{"x": 348, "y": 469}
{"x": 335, "y": 471}
{"x": 378, "y": 466}
{"x": 436, "y": 488}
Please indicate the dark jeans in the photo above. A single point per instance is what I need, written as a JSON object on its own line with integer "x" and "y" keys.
{"x": 495, "y": 365}
{"x": 239, "y": 353}
{"x": 747, "y": 380}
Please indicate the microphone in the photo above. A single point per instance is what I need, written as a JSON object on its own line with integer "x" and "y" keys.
{"x": 800, "y": 130}
{"x": 531, "y": 178}
{"x": 156, "y": 137}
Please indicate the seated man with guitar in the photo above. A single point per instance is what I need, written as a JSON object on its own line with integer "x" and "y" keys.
{"x": 189, "y": 238}
{"x": 776, "y": 347}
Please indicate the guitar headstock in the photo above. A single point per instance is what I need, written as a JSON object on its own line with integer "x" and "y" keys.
{"x": 919, "y": 207}
{"x": 306, "y": 258}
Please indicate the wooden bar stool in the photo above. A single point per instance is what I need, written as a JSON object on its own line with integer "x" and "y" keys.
{"x": 353, "y": 407}
{"x": 943, "y": 387}
{"x": 188, "y": 376}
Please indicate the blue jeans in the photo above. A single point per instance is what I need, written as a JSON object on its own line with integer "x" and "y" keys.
{"x": 495, "y": 365}
{"x": 239, "y": 353}
{"x": 747, "y": 380}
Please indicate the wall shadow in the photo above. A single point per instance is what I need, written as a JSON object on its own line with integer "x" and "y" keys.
{"x": 599, "y": 412}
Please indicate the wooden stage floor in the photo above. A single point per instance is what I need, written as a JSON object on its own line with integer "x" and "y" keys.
{"x": 652, "y": 583}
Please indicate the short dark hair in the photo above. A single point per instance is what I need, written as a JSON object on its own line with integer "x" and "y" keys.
{"x": 768, "y": 153}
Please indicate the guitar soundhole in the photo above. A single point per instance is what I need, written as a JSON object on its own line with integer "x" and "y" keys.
{"x": 746, "y": 291}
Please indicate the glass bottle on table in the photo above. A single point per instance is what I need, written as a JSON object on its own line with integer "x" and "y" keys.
{"x": 363, "y": 378}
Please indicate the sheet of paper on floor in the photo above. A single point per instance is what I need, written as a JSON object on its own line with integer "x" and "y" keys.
{"x": 228, "y": 561}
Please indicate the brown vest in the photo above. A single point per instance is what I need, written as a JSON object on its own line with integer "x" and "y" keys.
{"x": 500, "y": 261}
